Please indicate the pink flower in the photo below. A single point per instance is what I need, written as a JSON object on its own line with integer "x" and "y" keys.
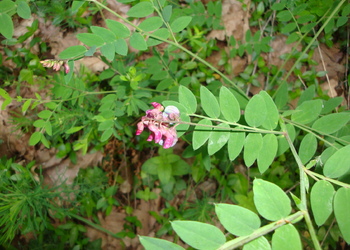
{"x": 158, "y": 121}
{"x": 55, "y": 65}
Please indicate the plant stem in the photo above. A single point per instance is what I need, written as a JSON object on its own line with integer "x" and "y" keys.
{"x": 339, "y": 183}
{"x": 98, "y": 227}
{"x": 261, "y": 231}
{"x": 312, "y": 231}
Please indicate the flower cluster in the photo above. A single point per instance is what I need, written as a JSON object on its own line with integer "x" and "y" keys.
{"x": 55, "y": 65}
{"x": 160, "y": 122}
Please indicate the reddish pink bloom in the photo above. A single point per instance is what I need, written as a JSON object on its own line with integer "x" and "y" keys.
{"x": 55, "y": 65}
{"x": 159, "y": 123}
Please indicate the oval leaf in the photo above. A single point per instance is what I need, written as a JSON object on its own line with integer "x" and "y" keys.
{"x": 150, "y": 243}
{"x": 142, "y": 9}
{"x": 180, "y": 23}
{"x": 307, "y": 148}
{"x": 331, "y": 123}
{"x": 209, "y": 103}
{"x": 338, "y": 164}
{"x": 201, "y": 133}
{"x": 199, "y": 235}
{"x": 307, "y": 112}
{"x": 151, "y": 23}
{"x": 137, "y": 41}
{"x": 268, "y": 152}
{"x": 35, "y": 138}
{"x": 218, "y": 138}
{"x": 272, "y": 117}
{"x": 187, "y": 98}
{"x": 229, "y": 105}
{"x": 235, "y": 144}
{"x": 121, "y": 47}
{"x": 72, "y": 52}
{"x": 252, "y": 146}
{"x": 119, "y": 29}
{"x": 286, "y": 238}
{"x": 255, "y": 112}
{"x": 6, "y": 27}
{"x": 270, "y": 200}
{"x": 321, "y": 198}
{"x": 237, "y": 220}
{"x": 341, "y": 211}
{"x": 90, "y": 39}
{"x": 23, "y": 9}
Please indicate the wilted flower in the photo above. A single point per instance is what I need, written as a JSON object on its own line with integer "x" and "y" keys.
{"x": 159, "y": 122}
{"x": 55, "y": 65}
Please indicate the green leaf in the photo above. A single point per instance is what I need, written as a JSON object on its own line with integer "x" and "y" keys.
{"x": 286, "y": 238}
{"x": 288, "y": 28}
{"x": 180, "y": 23}
{"x": 45, "y": 114}
{"x": 252, "y": 146}
{"x": 39, "y": 123}
{"x": 338, "y": 164}
{"x": 121, "y": 47}
{"x": 164, "y": 170}
{"x": 307, "y": 148}
{"x": 229, "y": 105}
{"x": 26, "y": 105}
{"x": 281, "y": 96}
{"x": 6, "y": 27}
{"x": 201, "y": 134}
{"x": 235, "y": 144}
{"x": 90, "y": 39}
{"x": 187, "y": 98}
{"x": 255, "y": 112}
{"x": 108, "y": 51}
{"x": 23, "y": 10}
{"x": 106, "y": 134}
{"x": 48, "y": 128}
{"x": 267, "y": 153}
{"x": 107, "y": 35}
{"x": 260, "y": 243}
{"x": 72, "y": 52}
{"x": 150, "y": 243}
{"x": 331, "y": 104}
{"x": 119, "y": 29}
{"x": 321, "y": 199}
{"x": 292, "y": 38}
{"x": 272, "y": 117}
{"x": 307, "y": 112}
{"x": 161, "y": 33}
{"x": 218, "y": 138}
{"x": 151, "y": 23}
{"x": 209, "y": 103}
{"x": 237, "y": 220}
{"x": 141, "y": 9}
{"x": 199, "y": 235}
{"x": 331, "y": 123}
{"x": 284, "y": 16}
{"x": 167, "y": 12}
{"x": 341, "y": 211}
{"x": 74, "y": 129}
{"x": 137, "y": 41}
{"x": 35, "y": 138}
{"x": 307, "y": 94}
{"x": 270, "y": 200}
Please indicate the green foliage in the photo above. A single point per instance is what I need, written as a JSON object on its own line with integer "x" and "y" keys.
{"x": 219, "y": 122}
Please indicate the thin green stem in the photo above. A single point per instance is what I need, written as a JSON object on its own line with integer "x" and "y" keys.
{"x": 322, "y": 177}
{"x": 312, "y": 231}
{"x": 240, "y": 241}
{"x": 247, "y": 128}
{"x": 98, "y": 227}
